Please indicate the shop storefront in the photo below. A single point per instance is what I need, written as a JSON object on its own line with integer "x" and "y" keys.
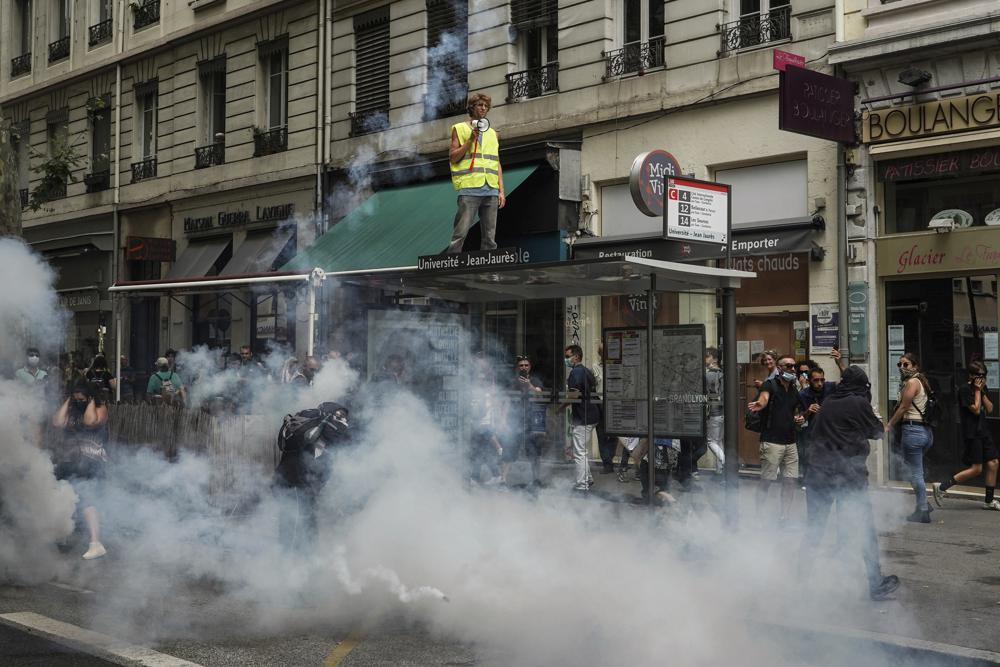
{"x": 938, "y": 252}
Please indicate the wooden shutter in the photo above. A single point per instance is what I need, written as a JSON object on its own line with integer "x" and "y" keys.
{"x": 449, "y": 17}
{"x": 526, "y": 14}
{"x": 371, "y": 52}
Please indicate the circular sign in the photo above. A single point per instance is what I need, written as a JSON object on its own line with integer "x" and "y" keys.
{"x": 645, "y": 180}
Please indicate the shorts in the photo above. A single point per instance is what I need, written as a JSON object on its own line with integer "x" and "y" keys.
{"x": 775, "y": 456}
{"x": 979, "y": 450}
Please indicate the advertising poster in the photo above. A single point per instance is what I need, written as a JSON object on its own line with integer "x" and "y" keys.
{"x": 825, "y": 324}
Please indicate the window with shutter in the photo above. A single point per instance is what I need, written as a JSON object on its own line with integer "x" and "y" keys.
{"x": 447, "y": 58}
{"x": 536, "y": 22}
{"x": 371, "y": 72}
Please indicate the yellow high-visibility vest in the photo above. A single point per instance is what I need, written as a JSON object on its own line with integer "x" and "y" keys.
{"x": 481, "y": 164}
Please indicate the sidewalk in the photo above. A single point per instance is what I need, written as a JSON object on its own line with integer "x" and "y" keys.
{"x": 950, "y": 570}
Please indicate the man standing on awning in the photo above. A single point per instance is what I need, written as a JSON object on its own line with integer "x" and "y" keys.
{"x": 476, "y": 174}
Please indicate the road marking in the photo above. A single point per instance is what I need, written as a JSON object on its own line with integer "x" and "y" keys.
{"x": 341, "y": 650}
{"x": 93, "y": 643}
{"x": 70, "y": 587}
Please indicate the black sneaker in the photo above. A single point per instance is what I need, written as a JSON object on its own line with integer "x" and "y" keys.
{"x": 920, "y": 517}
{"x": 885, "y": 589}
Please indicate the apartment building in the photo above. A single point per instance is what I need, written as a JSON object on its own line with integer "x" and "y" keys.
{"x": 579, "y": 90}
{"x": 171, "y": 141}
{"x": 923, "y": 197}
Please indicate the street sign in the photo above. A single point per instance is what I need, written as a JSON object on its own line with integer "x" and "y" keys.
{"x": 857, "y": 319}
{"x": 780, "y": 59}
{"x": 696, "y": 211}
{"x": 645, "y": 180}
{"x": 150, "y": 249}
{"x": 816, "y": 104}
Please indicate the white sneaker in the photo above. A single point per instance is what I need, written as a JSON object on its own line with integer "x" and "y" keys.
{"x": 992, "y": 505}
{"x": 97, "y": 550}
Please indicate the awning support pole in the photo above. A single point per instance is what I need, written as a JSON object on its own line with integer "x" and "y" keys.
{"x": 651, "y": 399}
{"x": 730, "y": 397}
{"x": 118, "y": 352}
{"x": 311, "y": 327}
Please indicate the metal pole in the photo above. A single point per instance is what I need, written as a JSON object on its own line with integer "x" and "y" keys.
{"x": 731, "y": 408}
{"x": 650, "y": 402}
{"x": 118, "y": 356}
{"x": 312, "y": 318}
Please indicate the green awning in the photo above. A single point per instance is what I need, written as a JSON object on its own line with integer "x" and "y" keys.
{"x": 393, "y": 228}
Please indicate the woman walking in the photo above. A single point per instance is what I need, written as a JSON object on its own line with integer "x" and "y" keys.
{"x": 917, "y": 436}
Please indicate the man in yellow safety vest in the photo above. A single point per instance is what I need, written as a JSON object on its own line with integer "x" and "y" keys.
{"x": 476, "y": 174}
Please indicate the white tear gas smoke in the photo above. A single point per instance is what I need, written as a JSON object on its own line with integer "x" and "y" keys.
{"x": 524, "y": 578}
{"x": 35, "y": 510}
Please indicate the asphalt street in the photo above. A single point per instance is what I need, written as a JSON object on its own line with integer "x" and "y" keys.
{"x": 950, "y": 598}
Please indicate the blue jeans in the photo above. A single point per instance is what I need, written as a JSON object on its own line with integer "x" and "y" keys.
{"x": 916, "y": 441}
{"x": 467, "y": 208}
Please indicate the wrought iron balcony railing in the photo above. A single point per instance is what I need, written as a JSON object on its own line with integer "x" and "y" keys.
{"x": 100, "y": 32}
{"x": 145, "y": 13}
{"x": 266, "y": 142}
{"x": 533, "y": 82}
{"x": 634, "y": 58}
{"x": 756, "y": 29}
{"x": 144, "y": 169}
{"x": 366, "y": 122}
{"x": 210, "y": 155}
{"x": 20, "y": 65}
{"x": 98, "y": 180}
{"x": 24, "y": 197}
{"x": 59, "y": 49}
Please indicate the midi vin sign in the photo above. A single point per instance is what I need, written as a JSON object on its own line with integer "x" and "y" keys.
{"x": 696, "y": 211}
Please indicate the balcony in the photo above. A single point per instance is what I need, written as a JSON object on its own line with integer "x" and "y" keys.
{"x": 366, "y": 122}
{"x": 533, "y": 82}
{"x": 100, "y": 33}
{"x": 210, "y": 155}
{"x": 634, "y": 58}
{"x": 98, "y": 180}
{"x": 20, "y": 65}
{"x": 59, "y": 49}
{"x": 266, "y": 142}
{"x": 24, "y": 197}
{"x": 144, "y": 169}
{"x": 755, "y": 30}
{"x": 145, "y": 13}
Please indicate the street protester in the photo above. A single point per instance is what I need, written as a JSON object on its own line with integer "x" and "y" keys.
{"x": 981, "y": 453}
{"x": 101, "y": 378}
{"x": 769, "y": 360}
{"x": 305, "y": 441}
{"x": 474, "y": 156}
{"x": 529, "y": 426}
{"x": 165, "y": 386}
{"x": 916, "y": 434}
{"x": 83, "y": 419}
{"x": 585, "y": 413}
{"x": 839, "y": 475}
{"x": 32, "y": 374}
{"x": 305, "y": 374}
{"x": 778, "y": 452}
{"x": 811, "y": 398}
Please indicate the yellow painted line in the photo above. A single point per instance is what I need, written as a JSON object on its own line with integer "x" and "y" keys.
{"x": 341, "y": 650}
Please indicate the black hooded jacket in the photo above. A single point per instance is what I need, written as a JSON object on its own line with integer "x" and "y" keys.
{"x": 838, "y": 442}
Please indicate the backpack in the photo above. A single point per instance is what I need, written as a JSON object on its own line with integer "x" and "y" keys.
{"x": 292, "y": 434}
{"x": 759, "y": 421}
{"x": 933, "y": 412}
{"x": 167, "y": 389}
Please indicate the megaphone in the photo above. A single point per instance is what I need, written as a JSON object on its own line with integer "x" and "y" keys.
{"x": 482, "y": 125}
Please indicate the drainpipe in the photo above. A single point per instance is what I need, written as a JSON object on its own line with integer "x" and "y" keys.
{"x": 842, "y": 244}
{"x": 116, "y": 314}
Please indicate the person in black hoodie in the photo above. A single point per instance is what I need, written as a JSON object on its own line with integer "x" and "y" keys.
{"x": 838, "y": 473}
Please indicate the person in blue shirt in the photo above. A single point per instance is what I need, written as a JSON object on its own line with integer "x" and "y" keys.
{"x": 586, "y": 412}
{"x": 811, "y": 399}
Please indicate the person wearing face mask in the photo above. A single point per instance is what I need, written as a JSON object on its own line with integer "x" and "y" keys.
{"x": 981, "y": 453}
{"x": 838, "y": 475}
{"x": 778, "y": 452}
{"x": 32, "y": 374}
{"x": 585, "y": 413}
{"x": 916, "y": 435}
{"x": 83, "y": 419}
{"x": 166, "y": 385}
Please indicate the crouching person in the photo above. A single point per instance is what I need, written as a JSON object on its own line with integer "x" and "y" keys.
{"x": 304, "y": 468}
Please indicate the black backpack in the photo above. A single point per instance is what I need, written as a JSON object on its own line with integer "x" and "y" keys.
{"x": 933, "y": 412}
{"x": 292, "y": 434}
{"x": 759, "y": 421}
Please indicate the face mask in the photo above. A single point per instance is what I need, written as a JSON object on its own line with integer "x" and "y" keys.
{"x": 569, "y": 362}
{"x": 788, "y": 376}
{"x": 907, "y": 373}
{"x": 32, "y": 360}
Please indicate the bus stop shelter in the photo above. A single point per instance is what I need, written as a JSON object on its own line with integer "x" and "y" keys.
{"x": 485, "y": 282}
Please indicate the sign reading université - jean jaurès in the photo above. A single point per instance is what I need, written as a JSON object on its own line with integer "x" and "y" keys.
{"x": 971, "y": 112}
{"x": 696, "y": 211}
{"x": 959, "y": 250}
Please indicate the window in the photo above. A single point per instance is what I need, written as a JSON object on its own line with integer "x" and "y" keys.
{"x": 101, "y": 29}
{"x": 641, "y": 36}
{"x": 20, "y": 141}
{"x": 57, "y": 138}
{"x": 972, "y": 201}
{"x": 272, "y": 134}
{"x": 760, "y": 22}
{"x": 212, "y": 78}
{"x": 22, "y": 23}
{"x": 771, "y": 193}
{"x": 371, "y": 72}
{"x": 537, "y": 48}
{"x": 59, "y": 46}
{"x": 447, "y": 58}
{"x": 99, "y": 112}
{"x": 147, "y": 102}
